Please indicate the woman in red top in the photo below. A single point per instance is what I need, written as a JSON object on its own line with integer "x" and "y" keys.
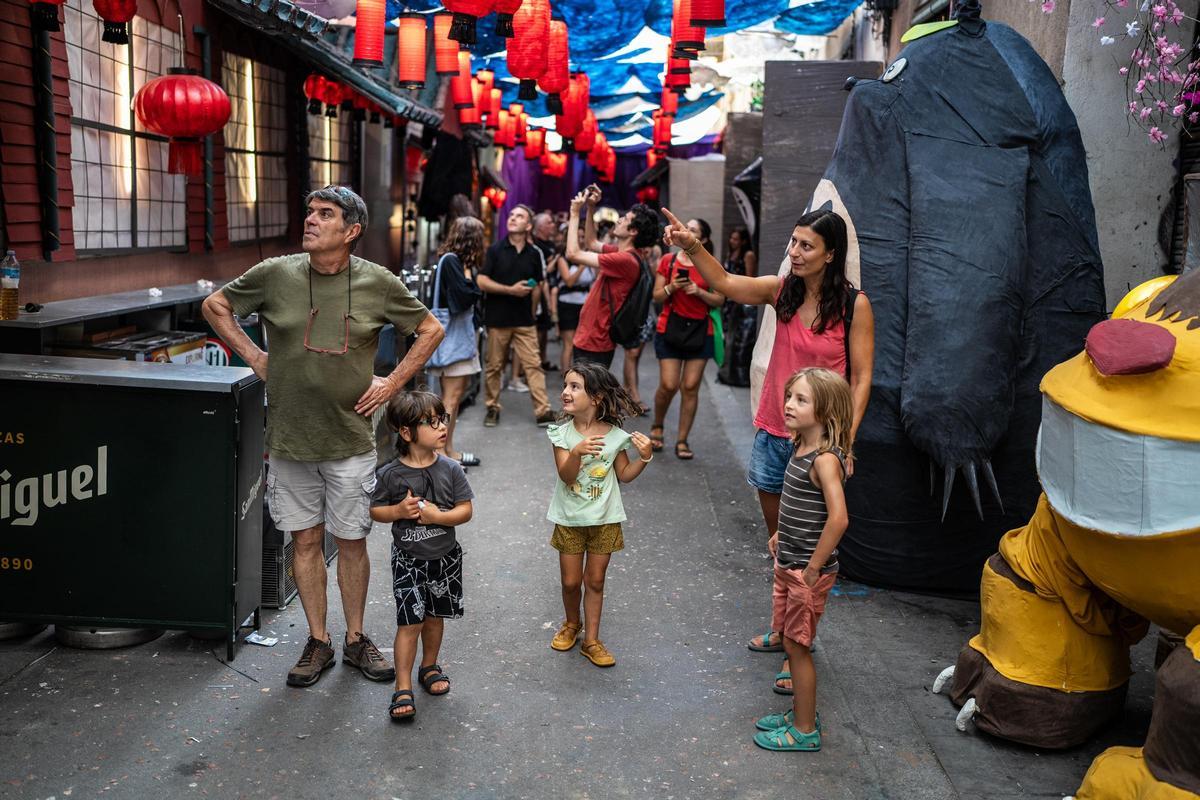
{"x": 683, "y": 339}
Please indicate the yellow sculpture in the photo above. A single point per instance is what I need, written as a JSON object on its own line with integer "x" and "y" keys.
{"x": 1114, "y": 542}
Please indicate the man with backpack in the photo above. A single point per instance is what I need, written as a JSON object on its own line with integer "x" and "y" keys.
{"x": 617, "y": 305}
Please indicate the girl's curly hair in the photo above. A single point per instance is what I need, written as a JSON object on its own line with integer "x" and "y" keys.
{"x": 615, "y": 405}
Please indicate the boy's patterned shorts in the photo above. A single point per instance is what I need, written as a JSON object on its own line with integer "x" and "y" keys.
{"x": 427, "y": 588}
{"x": 598, "y": 539}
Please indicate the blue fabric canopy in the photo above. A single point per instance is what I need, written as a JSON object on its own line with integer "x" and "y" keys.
{"x": 816, "y": 19}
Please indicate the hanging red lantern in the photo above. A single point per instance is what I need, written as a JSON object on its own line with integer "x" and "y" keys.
{"x": 491, "y": 107}
{"x": 466, "y": 13}
{"x": 461, "y": 89}
{"x": 505, "y": 9}
{"x": 708, "y": 13}
{"x": 669, "y": 103}
{"x": 652, "y": 158}
{"x": 44, "y": 14}
{"x": 361, "y": 106}
{"x": 314, "y": 90}
{"x": 116, "y": 15}
{"x": 586, "y": 139}
{"x": 597, "y": 152}
{"x": 529, "y": 47}
{"x": 686, "y": 39}
{"x": 647, "y": 194}
{"x": 557, "y": 77}
{"x": 369, "y": 24}
{"x": 332, "y": 97}
{"x": 535, "y": 143}
{"x": 554, "y": 165}
{"x": 517, "y": 112}
{"x": 184, "y": 107}
{"x": 575, "y": 103}
{"x": 503, "y": 129}
{"x": 445, "y": 49}
{"x": 495, "y": 196}
{"x": 662, "y": 132}
{"x": 410, "y": 50}
{"x": 487, "y": 81}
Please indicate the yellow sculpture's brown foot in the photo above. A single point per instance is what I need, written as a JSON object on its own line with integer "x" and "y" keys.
{"x": 1168, "y": 767}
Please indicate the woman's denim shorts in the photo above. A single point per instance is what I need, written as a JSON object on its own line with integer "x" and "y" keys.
{"x": 768, "y": 461}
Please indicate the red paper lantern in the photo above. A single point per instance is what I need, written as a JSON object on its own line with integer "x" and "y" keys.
{"x": 116, "y": 15}
{"x": 495, "y": 196}
{"x": 184, "y": 107}
{"x": 557, "y": 77}
{"x": 410, "y": 50}
{"x": 652, "y": 158}
{"x": 466, "y": 13}
{"x": 369, "y": 25}
{"x": 505, "y": 9}
{"x": 535, "y": 143}
{"x": 575, "y": 104}
{"x": 708, "y": 13}
{"x": 517, "y": 112}
{"x": 332, "y": 92}
{"x": 662, "y": 131}
{"x": 491, "y": 107}
{"x": 504, "y": 130}
{"x": 669, "y": 103}
{"x": 314, "y": 91}
{"x": 445, "y": 49}
{"x": 44, "y": 14}
{"x": 487, "y": 81}
{"x": 686, "y": 39}
{"x": 529, "y": 47}
{"x": 597, "y": 153}
{"x": 461, "y": 90}
{"x": 554, "y": 165}
{"x": 361, "y": 106}
{"x": 586, "y": 139}
{"x": 647, "y": 194}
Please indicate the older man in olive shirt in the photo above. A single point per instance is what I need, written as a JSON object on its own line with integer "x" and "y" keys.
{"x": 323, "y": 310}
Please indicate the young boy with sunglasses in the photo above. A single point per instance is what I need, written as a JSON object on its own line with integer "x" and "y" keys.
{"x": 425, "y": 496}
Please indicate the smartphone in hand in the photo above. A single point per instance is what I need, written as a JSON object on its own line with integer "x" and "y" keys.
{"x": 683, "y": 272}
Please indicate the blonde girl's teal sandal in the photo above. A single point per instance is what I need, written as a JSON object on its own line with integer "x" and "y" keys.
{"x": 774, "y": 721}
{"x": 787, "y": 739}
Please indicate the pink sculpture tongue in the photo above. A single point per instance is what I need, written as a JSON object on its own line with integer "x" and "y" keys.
{"x": 1129, "y": 347}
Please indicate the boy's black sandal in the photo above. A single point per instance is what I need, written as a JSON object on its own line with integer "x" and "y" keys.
{"x": 430, "y": 675}
{"x": 402, "y": 699}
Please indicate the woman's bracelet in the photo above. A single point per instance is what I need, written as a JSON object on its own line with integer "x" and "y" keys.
{"x": 667, "y": 289}
{"x": 695, "y": 248}
{"x": 646, "y": 460}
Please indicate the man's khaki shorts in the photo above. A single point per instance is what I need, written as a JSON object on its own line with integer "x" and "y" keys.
{"x": 303, "y": 494}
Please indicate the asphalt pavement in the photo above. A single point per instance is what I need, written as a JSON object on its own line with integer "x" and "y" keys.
{"x": 673, "y": 719}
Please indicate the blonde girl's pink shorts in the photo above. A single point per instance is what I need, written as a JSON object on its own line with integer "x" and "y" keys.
{"x": 796, "y": 607}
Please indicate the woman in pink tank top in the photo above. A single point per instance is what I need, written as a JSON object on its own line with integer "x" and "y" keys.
{"x": 811, "y": 302}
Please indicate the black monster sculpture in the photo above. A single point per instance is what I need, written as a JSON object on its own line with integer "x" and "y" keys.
{"x": 963, "y": 176}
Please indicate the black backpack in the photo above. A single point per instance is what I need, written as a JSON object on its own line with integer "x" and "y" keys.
{"x": 630, "y": 318}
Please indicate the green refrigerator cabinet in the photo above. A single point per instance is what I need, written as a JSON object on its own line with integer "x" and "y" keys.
{"x": 130, "y": 494}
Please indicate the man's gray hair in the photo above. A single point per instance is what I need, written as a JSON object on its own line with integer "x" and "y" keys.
{"x": 354, "y": 210}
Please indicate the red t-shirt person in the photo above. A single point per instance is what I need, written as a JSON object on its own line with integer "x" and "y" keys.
{"x": 681, "y": 303}
{"x": 619, "y": 271}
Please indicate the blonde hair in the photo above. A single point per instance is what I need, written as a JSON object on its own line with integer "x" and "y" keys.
{"x": 832, "y": 404}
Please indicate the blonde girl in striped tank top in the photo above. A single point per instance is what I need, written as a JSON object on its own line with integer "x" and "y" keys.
{"x": 818, "y": 412}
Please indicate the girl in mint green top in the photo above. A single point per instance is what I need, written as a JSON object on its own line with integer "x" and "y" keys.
{"x": 590, "y": 456}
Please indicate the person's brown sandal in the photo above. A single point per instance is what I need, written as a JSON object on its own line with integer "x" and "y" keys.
{"x": 656, "y": 442}
{"x": 682, "y": 451}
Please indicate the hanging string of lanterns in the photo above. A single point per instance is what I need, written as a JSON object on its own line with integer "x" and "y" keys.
{"x": 687, "y": 39}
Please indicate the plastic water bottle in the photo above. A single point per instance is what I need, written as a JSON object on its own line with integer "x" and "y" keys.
{"x": 10, "y": 279}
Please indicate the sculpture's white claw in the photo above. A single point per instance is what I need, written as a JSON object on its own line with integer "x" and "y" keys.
{"x": 942, "y": 679}
{"x": 965, "y": 714}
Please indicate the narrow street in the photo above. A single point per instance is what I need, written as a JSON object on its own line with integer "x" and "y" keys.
{"x": 673, "y": 719}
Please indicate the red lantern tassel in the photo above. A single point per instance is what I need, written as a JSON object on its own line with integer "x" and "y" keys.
{"x": 44, "y": 15}
{"x": 184, "y": 157}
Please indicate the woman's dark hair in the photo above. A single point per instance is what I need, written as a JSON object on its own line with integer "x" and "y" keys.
{"x": 744, "y": 234}
{"x": 705, "y": 233}
{"x": 615, "y": 404}
{"x": 835, "y": 289}
{"x": 407, "y": 410}
{"x": 465, "y": 240}
{"x": 645, "y": 223}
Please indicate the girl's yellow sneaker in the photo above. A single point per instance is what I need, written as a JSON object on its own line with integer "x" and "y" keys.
{"x": 566, "y": 636}
{"x": 597, "y": 653}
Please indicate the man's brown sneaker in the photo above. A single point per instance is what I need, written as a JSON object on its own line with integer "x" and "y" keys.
{"x": 317, "y": 657}
{"x": 366, "y": 656}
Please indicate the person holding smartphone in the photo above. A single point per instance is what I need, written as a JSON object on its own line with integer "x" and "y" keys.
{"x": 683, "y": 339}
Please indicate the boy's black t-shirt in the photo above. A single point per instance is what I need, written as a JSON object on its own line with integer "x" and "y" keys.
{"x": 442, "y": 483}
